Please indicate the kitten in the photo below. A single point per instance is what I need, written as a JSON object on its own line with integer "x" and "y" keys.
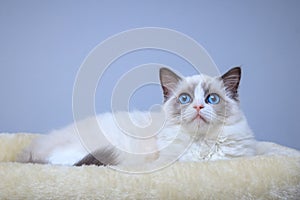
{"x": 203, "y": 121}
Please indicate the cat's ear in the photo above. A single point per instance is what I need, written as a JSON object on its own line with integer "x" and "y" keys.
{"x": 168, "y": 81}
{"x": 231, "y": 80}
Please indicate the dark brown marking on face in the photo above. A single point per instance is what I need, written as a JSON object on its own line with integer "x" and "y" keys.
{"x": 223, "y": 108}
{"x": 188, "y": 89}
{"x": 225, "y": 86}
{"x": 206, "y": 88}
{"x": 191, "y": 90}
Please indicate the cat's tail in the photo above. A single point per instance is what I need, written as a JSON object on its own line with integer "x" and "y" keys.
{"x": 104, "y": 156}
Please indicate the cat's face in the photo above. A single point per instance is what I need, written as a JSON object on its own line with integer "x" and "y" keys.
{"x": 199, "y": 103}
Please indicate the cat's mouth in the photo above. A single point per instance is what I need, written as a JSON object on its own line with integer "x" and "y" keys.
{"x": 199, "y": 118}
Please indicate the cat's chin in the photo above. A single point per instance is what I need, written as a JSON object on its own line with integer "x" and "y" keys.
{"x": 198, "y": 125}
{"x": 196, "y": 131}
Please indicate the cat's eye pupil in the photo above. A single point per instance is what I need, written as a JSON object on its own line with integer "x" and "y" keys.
{"x": 184, "y": 98}
{"x": 213, "y": 99}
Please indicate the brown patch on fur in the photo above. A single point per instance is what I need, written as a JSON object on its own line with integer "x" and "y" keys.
{"x": 100, "y": 157}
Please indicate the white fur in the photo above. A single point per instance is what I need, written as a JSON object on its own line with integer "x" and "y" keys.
{"x": 181, "y": 138}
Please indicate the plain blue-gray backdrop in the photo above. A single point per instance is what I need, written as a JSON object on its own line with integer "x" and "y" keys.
{"x": 43, "y": 44}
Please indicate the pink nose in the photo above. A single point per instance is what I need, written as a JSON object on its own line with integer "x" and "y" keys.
{"x": 198, "y": 107}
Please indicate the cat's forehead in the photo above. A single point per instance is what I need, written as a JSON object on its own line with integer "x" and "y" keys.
{"x": 202, "y": 82}
{"x": 198, "y": 79}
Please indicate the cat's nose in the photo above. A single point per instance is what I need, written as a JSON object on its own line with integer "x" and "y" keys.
{"x": 198, "y": 107}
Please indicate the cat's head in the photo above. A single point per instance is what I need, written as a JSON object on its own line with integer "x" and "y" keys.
{"x": 200, "y": 102}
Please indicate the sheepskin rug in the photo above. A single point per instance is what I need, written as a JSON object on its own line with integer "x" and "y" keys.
{"x": 275, "y": 175}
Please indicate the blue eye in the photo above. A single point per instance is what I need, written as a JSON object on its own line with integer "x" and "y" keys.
{"x": 213, "y": 98}
{"x": 184, "y": 98}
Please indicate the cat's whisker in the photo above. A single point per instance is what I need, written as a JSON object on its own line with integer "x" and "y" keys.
{"x": 213, "y": 115}
{"x": 187, "y": 116}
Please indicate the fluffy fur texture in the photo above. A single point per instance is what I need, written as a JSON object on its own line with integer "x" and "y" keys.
{"x": 219, "y": 130}
{"x": 203, "y": 121}
{"x": 274, "y": 176}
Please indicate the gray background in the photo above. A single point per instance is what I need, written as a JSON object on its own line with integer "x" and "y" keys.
{"x": 43, "y": 44}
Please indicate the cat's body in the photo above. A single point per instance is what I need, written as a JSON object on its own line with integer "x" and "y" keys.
{"x": 203, "y": 121}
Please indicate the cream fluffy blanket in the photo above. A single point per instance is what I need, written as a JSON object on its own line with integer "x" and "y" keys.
{"x": 269, "y": 176}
